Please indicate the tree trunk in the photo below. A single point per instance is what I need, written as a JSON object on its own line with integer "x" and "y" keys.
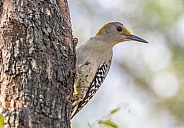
{"x": 37, "y": 62}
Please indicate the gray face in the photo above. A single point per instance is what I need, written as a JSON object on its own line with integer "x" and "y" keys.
{"x": 116, "y": 32}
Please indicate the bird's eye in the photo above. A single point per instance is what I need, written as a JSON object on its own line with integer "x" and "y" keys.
{"x": 119, "y": 29}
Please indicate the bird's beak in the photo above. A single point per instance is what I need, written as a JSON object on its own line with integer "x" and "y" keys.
{"x": 135, "y": 38}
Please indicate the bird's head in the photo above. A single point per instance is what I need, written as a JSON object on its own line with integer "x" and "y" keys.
{"x": 116, "y": 32}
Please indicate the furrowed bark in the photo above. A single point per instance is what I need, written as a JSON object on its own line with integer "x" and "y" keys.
{"x": 37, "y": 61}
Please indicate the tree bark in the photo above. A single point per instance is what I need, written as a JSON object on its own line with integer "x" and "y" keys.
{"x": 37, "y": 62}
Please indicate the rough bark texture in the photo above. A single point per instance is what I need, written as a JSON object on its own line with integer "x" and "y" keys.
{"x": 37, "y": 61}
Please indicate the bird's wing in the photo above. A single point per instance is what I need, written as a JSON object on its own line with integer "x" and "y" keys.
{"x": 99, "y": 77}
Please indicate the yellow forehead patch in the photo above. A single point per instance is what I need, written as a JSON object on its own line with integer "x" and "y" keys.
{"x": 100, "y": 30}
{"x": 127, "y": 31}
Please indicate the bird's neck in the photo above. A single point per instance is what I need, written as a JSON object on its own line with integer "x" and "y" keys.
{"x": 103, "y": 43}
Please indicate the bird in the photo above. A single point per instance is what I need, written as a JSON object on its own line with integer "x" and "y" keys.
{"x": 93, "y": 61}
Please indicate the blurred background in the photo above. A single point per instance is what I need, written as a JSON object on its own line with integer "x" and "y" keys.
{"x": 145, "y": 80}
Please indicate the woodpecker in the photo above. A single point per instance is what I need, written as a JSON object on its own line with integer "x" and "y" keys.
{"x": 94, "y": 61}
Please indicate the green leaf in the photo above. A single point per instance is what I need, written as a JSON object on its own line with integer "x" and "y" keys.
{"x": 114, "y": 111}
{"x": 1, "y": 120}
{"x": 108, "y": 123}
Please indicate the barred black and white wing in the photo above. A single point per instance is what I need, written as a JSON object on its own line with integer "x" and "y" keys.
{"x": 97, "y": 81}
